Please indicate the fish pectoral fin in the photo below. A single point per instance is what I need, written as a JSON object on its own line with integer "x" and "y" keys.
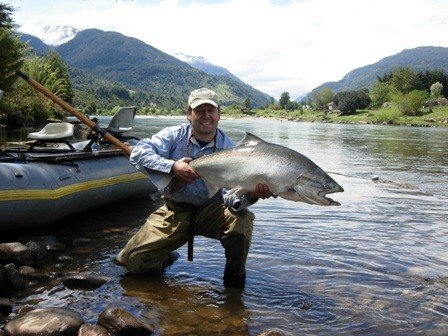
{"x": 238, "y": 191}
{"x": 211, "y": 188}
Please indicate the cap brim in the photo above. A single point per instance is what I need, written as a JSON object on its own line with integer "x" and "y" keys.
{"x": 198, "y": 102}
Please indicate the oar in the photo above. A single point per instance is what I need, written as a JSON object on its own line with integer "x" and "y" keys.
{"x": 94, "y": 127}
{"x": 109, "y": 137}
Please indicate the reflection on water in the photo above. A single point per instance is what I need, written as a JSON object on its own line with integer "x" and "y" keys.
{"x": 376, "y": 265}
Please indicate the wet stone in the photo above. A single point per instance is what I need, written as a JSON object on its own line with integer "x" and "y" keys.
{"x": 13, "y": 277}
{"x": 37, "y": 250}
{"x": 5, "y": 306}
{"x": 92, "y": 330}
{"x": 3, "y": 278}
{"x": 81, "y": 241}
{"x": 16, "y": 253}
{"x": 39, "y": 277}
{"x": 272, "y": 332}
{"x": 83, "y": 280}
{"x": 48, "y": 243}
{"x": 26, "y": 270}
{"x": 64, "y": 258}
{"x": 45, "y": 322}
{"x": 119, "y": 322}
{"x": 25, "y": 309}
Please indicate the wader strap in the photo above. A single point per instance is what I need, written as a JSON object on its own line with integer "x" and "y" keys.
{"x": 192, "y": 224}
{"x": 194, "y": 210}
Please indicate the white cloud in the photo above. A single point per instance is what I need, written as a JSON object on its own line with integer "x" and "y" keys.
{"x": 274, "y": 46}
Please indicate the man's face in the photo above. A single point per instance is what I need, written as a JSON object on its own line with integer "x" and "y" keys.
{"x": 204, "y": 120}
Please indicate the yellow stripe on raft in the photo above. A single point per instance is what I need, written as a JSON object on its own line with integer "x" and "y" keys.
{"x": 50, "y": 194}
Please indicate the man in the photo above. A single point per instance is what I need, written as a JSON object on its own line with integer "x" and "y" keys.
{"x": 188, "y": 210}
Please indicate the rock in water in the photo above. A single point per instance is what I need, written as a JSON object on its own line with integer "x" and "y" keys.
{"x": 119, "y": 322}
{"x": 92, "y": 330}
{"x": 16, "y": 253}
{"x": 83, "y": 280}
{"x": 45, "y": 322}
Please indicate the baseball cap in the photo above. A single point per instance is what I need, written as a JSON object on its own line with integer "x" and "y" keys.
{"x": 202, "y": 96}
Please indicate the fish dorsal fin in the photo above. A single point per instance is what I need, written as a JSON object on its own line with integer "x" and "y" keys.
{"x": 250, "y": 140}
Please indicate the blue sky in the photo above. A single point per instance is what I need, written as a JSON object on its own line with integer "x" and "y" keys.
{"x": 275, "y": 46}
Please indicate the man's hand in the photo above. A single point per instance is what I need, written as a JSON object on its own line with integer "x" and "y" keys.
{"x": 183, "y": 171}
{"x": 261, "y": 191}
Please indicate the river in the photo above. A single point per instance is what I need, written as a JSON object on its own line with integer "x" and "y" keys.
{"x": 376, "y": 265}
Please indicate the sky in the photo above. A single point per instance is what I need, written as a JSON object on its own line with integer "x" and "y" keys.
{"x": 274, "y": 46}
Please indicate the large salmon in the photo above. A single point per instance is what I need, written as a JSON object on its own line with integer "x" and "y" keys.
{"x": 288, "y": 173}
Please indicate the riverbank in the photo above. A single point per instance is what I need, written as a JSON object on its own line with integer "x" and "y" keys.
{"x": 437, "y": 117}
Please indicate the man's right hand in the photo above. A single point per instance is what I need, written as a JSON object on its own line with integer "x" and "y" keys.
{"x": 183, "y": 171}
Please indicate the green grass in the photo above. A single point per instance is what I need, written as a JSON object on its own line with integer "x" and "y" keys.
{"x": 438, "y": 117}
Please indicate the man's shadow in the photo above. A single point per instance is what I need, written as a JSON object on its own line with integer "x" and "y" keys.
{"x": 178, "y": 305}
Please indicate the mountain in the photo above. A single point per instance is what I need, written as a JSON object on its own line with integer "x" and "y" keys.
{"x": 34, "y": 43}
{"x": 139, "y": 66}
{"x": 301, "y": 97}
{"x": 203, "y": 64}
{"x": 418, "y": 59}
{"x": 57, "y": 35}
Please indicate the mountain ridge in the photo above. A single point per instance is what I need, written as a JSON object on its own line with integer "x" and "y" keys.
{"x": 418, "y": 59}
{"x": 140, "y": 67}
{"x": 136, "y": 64}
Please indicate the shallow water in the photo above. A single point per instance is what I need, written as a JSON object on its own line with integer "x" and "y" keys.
{"x": 376, "y": 265}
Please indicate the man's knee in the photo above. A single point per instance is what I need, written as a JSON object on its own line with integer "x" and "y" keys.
{"x": 241, "y": 225}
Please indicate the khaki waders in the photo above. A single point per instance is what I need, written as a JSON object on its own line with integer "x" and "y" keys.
{"x": 168, "y": 228}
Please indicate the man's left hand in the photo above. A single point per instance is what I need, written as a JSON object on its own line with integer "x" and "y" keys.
{"x": 261, "y": 191}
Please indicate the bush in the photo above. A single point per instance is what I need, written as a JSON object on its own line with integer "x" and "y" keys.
{"x": 389, "y": 117}
{"x": 350, "y": 101}
{"x": 410, "y": 103}
{"x": 380, "y": 93}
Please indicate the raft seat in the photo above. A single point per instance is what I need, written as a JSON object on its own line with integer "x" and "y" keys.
{"x": 54, "y": 133}
{"x": 122, "y": 121}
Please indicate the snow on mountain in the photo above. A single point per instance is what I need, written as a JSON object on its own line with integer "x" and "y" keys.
{"x": 203, "y": 64}
{"x": 57, "y": 35}
{"x": 191, "y": 59}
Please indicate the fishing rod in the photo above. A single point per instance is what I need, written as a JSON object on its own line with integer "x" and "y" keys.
{"x": 66, "y": 107}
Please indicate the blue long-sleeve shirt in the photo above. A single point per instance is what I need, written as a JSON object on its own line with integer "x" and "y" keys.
{"x": 159, "y": 153}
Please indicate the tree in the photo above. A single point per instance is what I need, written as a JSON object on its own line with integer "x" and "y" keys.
{"x": 284, "y": 100}
{"x": 58, "y": 66}
{"x": 380, "y": 93}
{"x": 11, "y": 50}
{"x": 5, "y": 16}
{"x": 410, "y": 103}
{"x": 323, "y": 97}
{"x": 247, "y": 104}
{"x": 436, "y": 90}
{"x": 350, "y": 101}
{"x": 404, "y": 79}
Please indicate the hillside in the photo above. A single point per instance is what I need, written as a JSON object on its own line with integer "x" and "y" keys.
{"x": 34, "y": 43}
{"x": 138, "y": 66}
{"x": 419, "y": 59}
{"x": 200, "y": 63}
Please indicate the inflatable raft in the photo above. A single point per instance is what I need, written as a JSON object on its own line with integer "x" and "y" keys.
{"x": 51, "y": 178}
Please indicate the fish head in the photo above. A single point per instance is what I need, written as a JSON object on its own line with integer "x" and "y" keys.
{"x": 311, "y": 187}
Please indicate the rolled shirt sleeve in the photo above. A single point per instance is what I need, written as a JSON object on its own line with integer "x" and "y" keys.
{"x": 153, "y": 154}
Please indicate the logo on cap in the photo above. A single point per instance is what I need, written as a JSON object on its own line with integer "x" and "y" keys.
{"x": 203, "y": 96}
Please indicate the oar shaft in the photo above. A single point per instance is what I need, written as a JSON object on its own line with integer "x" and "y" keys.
{"x": 109, "y": 137}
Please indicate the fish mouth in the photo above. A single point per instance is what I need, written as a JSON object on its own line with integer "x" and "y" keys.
{"x": 331, "y": 201}
{"x": 324, "y": 200}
